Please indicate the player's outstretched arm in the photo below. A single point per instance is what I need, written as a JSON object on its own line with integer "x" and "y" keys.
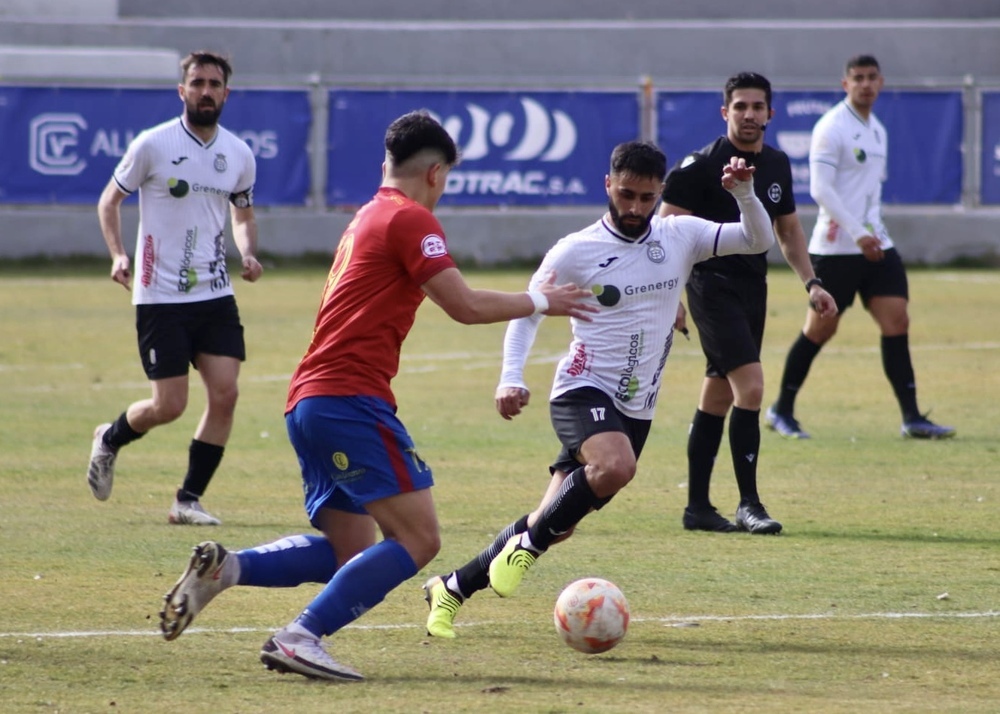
{"x": 476, "y": 307}
{"x": 737, "y": 178}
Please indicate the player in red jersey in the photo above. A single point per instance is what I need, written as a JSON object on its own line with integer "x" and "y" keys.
{"x": 359, "y": 466}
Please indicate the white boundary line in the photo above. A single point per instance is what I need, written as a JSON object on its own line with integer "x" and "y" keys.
{"x": 675, "y": 621}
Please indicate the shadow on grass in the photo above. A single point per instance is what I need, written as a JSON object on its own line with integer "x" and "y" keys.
{"x": 859, "y": 535}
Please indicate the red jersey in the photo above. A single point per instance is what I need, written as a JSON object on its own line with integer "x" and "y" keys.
{"x": 392, "y": 246}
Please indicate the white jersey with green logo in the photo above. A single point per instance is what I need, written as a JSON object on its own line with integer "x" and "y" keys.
{"x": 637, "y": 285}
{"x": 858, "y": 151}
{"x": 185, "y": 186}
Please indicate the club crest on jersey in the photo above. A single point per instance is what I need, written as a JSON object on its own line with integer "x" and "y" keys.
{"x": 655, "y": 252}
{"x": 433, "y": 246}
{"x": 774, "y": 193}
{"x": 220, "y": 163}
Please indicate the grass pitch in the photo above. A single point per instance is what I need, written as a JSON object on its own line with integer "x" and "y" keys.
{"x": 882, "y": 594}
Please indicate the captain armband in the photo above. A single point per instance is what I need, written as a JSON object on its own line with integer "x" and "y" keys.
{"x": 243, "y": 199}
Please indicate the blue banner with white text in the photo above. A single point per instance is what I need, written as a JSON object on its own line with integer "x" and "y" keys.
{"x": 61, "y": 144}
{"x": 990, "y": 177}
{"x": 925, "y": 137}
{"x": 517, "y": 148}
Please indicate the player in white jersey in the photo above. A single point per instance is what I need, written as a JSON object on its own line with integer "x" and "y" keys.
{"x": 852, "y": 252}
{"x": 604, "y": 393}
{"x": 848, "y": 158}
{"x": 185, "y": 188}
{"x": 189, "y": 172}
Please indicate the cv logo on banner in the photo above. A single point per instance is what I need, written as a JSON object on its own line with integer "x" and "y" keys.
{"x": 52, "y": 142}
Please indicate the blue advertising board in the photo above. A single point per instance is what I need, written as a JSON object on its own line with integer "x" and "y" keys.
{"x": 990, "y": 177}
{"x": 517, "y": 148}
{"x": 61, "y": 145}
{"x": 925, "y": 137}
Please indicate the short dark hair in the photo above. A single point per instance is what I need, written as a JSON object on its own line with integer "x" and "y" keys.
{"x": 746, "y": 80}
{"x": 204, "y": 57}
{"x": 415, "y": 132}
{"x": 639, "y": 158}
{"x": 861, "y": 61}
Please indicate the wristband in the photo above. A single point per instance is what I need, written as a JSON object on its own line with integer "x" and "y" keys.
{"x": 541, "y": 302}
{"x": 813, "y": 281}
{"x": 743, "y": 190}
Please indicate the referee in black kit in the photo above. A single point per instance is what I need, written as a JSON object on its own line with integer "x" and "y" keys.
{"x": 727, "y": 297}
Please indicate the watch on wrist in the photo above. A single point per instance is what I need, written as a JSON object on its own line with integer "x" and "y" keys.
{"x": 813, "y": 281}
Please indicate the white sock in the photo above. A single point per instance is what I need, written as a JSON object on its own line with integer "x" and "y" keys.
{"x": 299, "y": 631}
{"x": 526, "y": 543}
{"x": 230, "y": 571}
{"x": 452, "y": 584}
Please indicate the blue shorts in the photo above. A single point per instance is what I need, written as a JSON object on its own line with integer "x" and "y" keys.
{"x": 352, "y": 451}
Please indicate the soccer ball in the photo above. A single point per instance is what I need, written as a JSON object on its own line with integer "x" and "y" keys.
{"x": 591, "y": 615}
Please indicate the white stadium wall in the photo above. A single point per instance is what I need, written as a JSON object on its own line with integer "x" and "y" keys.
{"x": 105, "y": 10}
{"x": 517, "y": 44}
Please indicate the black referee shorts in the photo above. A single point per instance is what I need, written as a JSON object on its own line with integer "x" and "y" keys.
{"x": 729, "y": 313}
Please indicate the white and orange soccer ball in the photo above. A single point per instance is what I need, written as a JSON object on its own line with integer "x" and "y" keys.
{"x": 591, "y": 615}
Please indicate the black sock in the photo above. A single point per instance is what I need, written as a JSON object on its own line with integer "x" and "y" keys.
{"x": 899, "y": 369}
{"x": 574, "y": 500}
{"x": 120, "y": 433}
{"x": 744, "y": 442}
{"x": 203, "y": 460}
{"x": 797, "y": 364}
{"x": 475, "y": 575}
{"x": 704, "y": 438}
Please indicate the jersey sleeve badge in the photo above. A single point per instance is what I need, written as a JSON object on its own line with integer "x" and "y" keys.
{"x": 433, "y": 246}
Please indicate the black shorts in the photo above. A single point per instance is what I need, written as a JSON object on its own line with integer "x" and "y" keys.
{"x": 844, "y": 276}
{"x": 170, "y": 335}
{"x": 729, "y": 313}
{"x": 579, "y": 414}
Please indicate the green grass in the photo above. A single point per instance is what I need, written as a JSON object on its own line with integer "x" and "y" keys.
{"x": 881, "y": 596}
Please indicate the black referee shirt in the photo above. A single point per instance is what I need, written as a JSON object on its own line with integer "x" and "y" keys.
{"x": 695, "y": 184}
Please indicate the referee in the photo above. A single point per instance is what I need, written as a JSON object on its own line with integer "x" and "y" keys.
{"x": 727, "y": 297}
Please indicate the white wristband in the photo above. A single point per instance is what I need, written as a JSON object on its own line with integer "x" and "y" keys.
{"x": 541, "y": 302}
{"x": 743, "y": 190}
